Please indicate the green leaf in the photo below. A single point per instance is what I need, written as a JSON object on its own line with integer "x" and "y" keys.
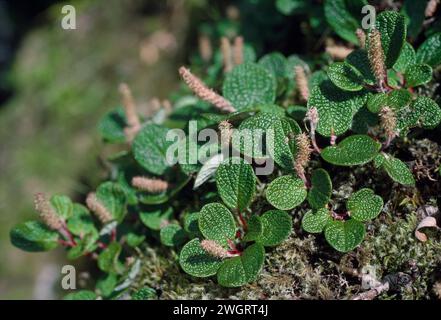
{"x": 321, "y": 189}
{"x": 33, "y": 236}
{"x": 106, "y": 284}
{"x": 298, "y": 113}
{"x": 335, "y": 107}
{"x": 113, "y": 197}
{"x": 134, "y": 238}
{"x": 195, "y": 261}
{"x": 63, "y": 206}
{"x": 286, "y": 192}
{"x": 172, "y": 235}
{"x": 251, "y": 133}
{"x": 363, "y": 121}
{"x": 340, "y": 17}
{"x": 287, "y": 7}
{"x": 418, "y": 74}
{"x": 108, "y": 259}
{"x": 344, "y": 236}
{"x": 397, "y": 99}
{"x": 276, "y": 227}
{"x": 248, "y": 85}
{"x": 85, "y": 245}
{"x": 423, "y": 112}
{"x": 154, "y": 217}
{"x": 360, "y": 61}
{"x": 150, "y": 148}
{"x": 81, "y": 222}
{"x": 283, "y": 147}
{"x": 275, "y": 63}
{"x": 237, "y": 271}
{"x": 254, "y": 229}
{"x": 414, "y": 11}
{"x": 406, "y": 58}
{"x": 392, "y": 26}
{"x": 81, "y": 295}
{"x": 364, "y": 205}
{"x": 217, "y": 223}
{"x": 236, "y": 183}
{"x": 430, "y": 51}
{"x": 397, "y": 170}
{"x": 111, "y": 126}
{"x": 345, "y": 76}
{"x": 145, "y": 293}
{"x": 191, "y": 224}
{"x": 315, "y": 221}
{"x": 352, "y": 151}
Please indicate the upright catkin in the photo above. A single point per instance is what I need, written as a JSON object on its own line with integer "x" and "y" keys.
{"x": 150, "y": 185}
{"x": 302, "y": 82}
{"x": 203, "y": 92}
{"x": 376, "y": 57}
{"x": 47, "y": 212}
{"x": 98, "y": 208}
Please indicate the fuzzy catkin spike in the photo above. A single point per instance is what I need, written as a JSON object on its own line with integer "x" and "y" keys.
{"x": 302, "y": 82}
{"x": 437, "y": 289}
{"x": 226, "y": 54}
{"x": 47, "y": 213}
{"x": 338, "y": 52}
{"x": 98, "y": 208}
{"x": 388, "y": 122}
{"x": 129, "y": 106}
{"x": 204, "y": 93}
{"x": 376, "y": 57}
{"x": 361, "y": 36}
{"x": 214, "y": 249}
{"x": 205, "y": 49}
{"x": 303, "y": 154}
{"x": 150, "y": 185}
{"x": 238, "y": 51}
{"x": 431, "y": 8}
{"x": 226, "y": 132}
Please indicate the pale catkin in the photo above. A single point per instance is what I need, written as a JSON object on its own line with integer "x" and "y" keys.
{"x": 376, "y": 57}
{"x": 98, "y": 208}
{"x": 338, "y": 52}
{"x": 302, "y": 82}
{"x": 214, "y": 249}
{"x": 303, "y": 154}
{"x": 238, "y": 50}
{"x": 226, "y": 54}
{"x": 205, "y": 48}
{"x": 431, "y": 8}
{"x": 226, "y": 132}
{"x": 47, "y": 212}
{"x": 388, "y": 122}
{"x": 150, "y": 185}
{"x": 129, "y": 106}
{"x": 203, "y": 92}
{"x": 437, "y": 289}
{"x": 361, "y": 36}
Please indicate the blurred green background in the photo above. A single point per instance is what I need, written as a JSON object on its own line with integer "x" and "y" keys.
{"x": 54, "y": 86}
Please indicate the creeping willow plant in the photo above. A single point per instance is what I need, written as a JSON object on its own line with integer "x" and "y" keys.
{"x": 222, "y": 222}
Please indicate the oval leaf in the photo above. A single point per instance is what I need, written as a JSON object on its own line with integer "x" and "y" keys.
{"x": 276, "y": 227}
{"x": 316, "y": 221}
{"x": 217, "y": 223}
{"x": 344, "y": 236}
{"x": 345, "y": 76}
{"x": 172, "y": 235}
{"x": 286, "y": 192}
{"x": 33, "y": 236}
{"x": 248, "y": 85}
{"x": 364, "y": 205}
{"x": 320, "y": 192}
{"x": 354, "y": 150}
{"x": 195, "y": 261}
{"x": 150, "y": 148}
{"x": 236, "y": 183}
